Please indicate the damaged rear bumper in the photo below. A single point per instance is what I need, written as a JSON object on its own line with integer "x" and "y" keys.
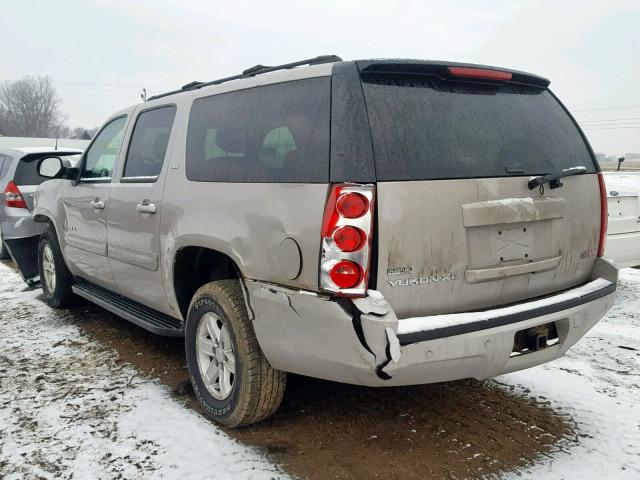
{"x": 362, "y": 342}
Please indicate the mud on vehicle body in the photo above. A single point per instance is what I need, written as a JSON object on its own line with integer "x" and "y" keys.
{"x": 381, "y": 223}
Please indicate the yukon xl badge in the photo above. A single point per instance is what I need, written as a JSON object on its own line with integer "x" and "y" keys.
{"x": 436, "y": 278}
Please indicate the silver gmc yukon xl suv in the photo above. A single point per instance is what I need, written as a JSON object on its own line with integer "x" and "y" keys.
{"x": 380, "y": 223}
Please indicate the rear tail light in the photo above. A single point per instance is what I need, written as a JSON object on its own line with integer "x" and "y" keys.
{"x": 352, "y": 205}
{"x": 13, "y": 197}
{"x": 604, "y": 215}
{"x": 347, "y": 227}
{"x": 345, "y": 274}
{"x": 480, "y": 73}
{"x": 348, "y": 239}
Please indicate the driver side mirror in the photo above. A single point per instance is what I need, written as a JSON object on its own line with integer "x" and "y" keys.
{"x": 54, "y": 167}
{"x": 50, "y": 167}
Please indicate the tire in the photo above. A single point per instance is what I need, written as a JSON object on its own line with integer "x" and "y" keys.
{"x": 4, "y": 252}
{"x": 254, "y": 389}
{"x": 55, "y": 277}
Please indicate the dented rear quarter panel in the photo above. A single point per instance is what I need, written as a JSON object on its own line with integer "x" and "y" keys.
{"x": 246, "y": 221}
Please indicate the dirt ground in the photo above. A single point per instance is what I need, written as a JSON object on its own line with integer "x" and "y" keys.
{"x": 325, "y": 430}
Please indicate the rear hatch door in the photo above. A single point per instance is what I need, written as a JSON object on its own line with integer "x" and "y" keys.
{"x": 458, "y": 227}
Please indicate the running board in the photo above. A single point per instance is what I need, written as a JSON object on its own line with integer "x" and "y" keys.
{"x": 145, "y": 317}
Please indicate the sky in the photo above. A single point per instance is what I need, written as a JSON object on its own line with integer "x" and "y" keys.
{"x": 101, "y": 53}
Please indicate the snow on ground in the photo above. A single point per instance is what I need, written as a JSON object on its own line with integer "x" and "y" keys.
{"x": 598, "y": 385}
{"x": 69, "y": 410}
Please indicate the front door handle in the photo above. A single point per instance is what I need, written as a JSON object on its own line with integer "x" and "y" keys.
{"x": 97, "y": 204}
{"x": 146, "y": 207}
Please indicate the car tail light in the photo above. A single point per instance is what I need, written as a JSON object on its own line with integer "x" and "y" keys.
{"x": 13, "y": 197}
{"x": 604, "y": 215}
{"x": 345, "y": 274}
{"x": 480, "y": 73}
{"x": 347, "y": 227}
{"x": 352, "y": 205}
{"x": 348, "y": 239}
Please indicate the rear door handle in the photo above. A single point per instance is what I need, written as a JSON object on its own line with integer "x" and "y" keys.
{"x": 146, "y": 207}
{"x": 97, "y": 204}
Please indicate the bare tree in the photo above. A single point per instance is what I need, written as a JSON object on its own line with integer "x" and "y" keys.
{"x": 83, "y": 133}
{"x": 30, "y": 108}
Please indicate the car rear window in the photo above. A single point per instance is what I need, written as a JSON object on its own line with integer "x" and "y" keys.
{"x": 273, "y": 133}
{"x": 27, "y": 172}
{"x": 27, "y": 169}
{"x": 426, "y": 128}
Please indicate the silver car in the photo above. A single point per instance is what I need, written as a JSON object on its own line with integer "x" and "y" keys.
{"x": 19, "y": 179}
{"x": 375, "y": 222}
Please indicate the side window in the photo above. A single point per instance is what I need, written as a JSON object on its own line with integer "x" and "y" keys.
{"x": 278, "y": 147}
{"x": 274, "y": 133}
{"x": 103, "y": 153}
{"x": 1, "y": 164}
{"x": 149, "y": 142}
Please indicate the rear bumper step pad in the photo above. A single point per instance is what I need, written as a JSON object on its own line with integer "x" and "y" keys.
{"x": 414, "y": 330}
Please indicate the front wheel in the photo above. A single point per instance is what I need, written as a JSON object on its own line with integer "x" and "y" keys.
{"x": 230, "y": 375}
{"x": 55, "y": 278}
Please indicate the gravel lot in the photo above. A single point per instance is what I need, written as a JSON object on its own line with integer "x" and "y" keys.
{"x": 84, "y": 394}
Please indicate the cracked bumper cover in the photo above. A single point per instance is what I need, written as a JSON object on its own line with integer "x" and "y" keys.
{"x": 362, "y": 342}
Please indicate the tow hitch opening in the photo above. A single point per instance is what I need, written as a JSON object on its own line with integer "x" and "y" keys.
{"x": 535, "y": 339}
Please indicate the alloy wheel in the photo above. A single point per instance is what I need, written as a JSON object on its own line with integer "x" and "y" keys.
{"x": 216, "y": 358}
{"x": 49, "y": 268}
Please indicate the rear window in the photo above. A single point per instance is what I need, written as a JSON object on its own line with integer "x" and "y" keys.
{"x": 274, "y": 133}
{"x": 27, "y": 172}
{"x": 426, "y": 128}
{"x": 27, "y": 169}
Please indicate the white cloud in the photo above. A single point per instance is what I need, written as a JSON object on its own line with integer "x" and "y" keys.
{"x": 587, "y": 48}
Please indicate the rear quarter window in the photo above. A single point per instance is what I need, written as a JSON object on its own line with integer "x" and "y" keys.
{"x": 273, "y": 133}
{"x": 426, "y": 128}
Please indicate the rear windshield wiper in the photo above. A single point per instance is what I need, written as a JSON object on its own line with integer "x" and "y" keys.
{"x": 553, "y": 179}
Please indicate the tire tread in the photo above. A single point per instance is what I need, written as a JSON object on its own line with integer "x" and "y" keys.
{"x": 63, "y": 296}
{"x": 264, "y": 385}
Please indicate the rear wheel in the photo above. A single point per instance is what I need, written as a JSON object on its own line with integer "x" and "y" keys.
{"x": 55, "y": 277}
{"x": 230, "y": 375}
{"x": 4, "y": 252}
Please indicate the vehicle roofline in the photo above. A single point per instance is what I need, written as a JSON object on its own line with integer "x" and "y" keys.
{"x": 312, "y": 71}
{"x": 373, "y": 63}
{"x": 23, "y": 152}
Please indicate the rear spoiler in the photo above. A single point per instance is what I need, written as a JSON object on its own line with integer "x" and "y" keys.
{"x": 450, "y": 71}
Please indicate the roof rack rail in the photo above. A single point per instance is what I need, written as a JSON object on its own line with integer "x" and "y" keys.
{"x": 251, "y": 72}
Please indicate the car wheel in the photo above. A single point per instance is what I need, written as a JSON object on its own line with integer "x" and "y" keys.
{"x": 4, "y": 252}
{"x": 230, "y": 375}
{"x": 55, "y": 278}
